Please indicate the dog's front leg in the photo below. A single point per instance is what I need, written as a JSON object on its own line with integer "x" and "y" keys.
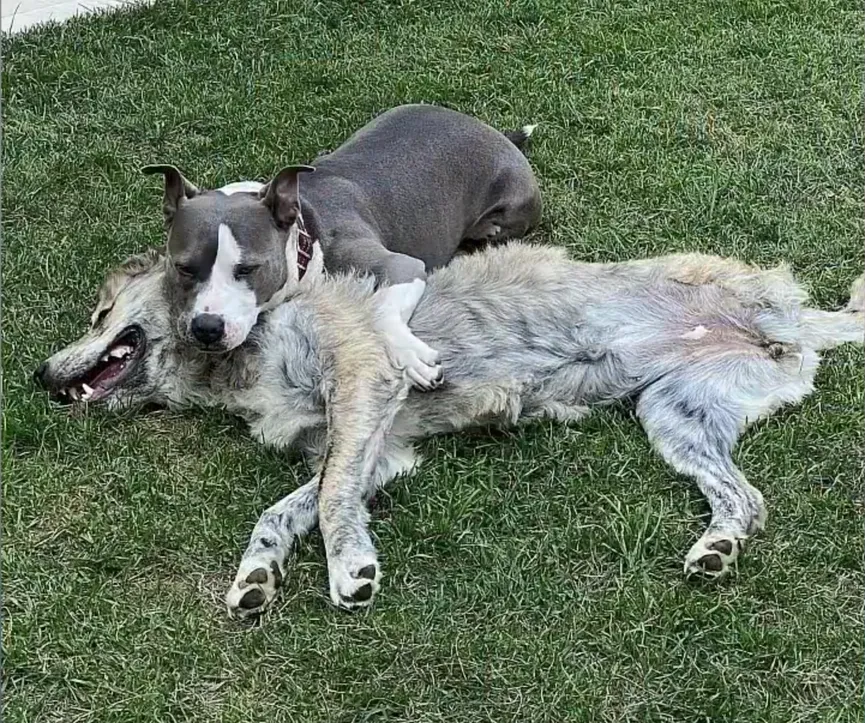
{"x": 262, "y": 567}
{"x": 407, "y": 353}
{"x": 360, "y": 415}
{"x": 264, "y": 564}
{"x": 403, "y": 280}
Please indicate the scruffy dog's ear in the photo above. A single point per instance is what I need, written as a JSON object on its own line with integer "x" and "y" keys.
{"x": 118, "y": 277}
{"x": 281, "y": 197}
{"x": 177, "y": 188}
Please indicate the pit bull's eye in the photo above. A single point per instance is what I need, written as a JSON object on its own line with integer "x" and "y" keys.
{"x": 185, "y": 271}
{"x": 242, "y": 271}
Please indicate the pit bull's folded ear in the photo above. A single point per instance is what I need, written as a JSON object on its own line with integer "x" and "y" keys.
{"x": 280, "y": 195}
{"x": 176, "y": 188}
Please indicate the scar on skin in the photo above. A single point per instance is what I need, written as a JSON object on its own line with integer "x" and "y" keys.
{"x": 697, "y": 333}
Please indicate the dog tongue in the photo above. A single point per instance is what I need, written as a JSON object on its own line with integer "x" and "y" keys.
{"x": 115, "y": 366}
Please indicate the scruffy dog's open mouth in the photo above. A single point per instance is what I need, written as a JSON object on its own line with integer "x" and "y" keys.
{"x": 111, "y": 369}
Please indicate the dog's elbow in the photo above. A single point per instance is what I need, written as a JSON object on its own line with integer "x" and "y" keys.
{"x": 401, "y": 269}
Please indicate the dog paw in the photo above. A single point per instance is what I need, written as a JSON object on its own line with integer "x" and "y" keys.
{"x": 712, "y": 555}
{"x": 354, "y": 579}
{"x": 490, "y": 232}
{"x": 425, "y": 377}
{"x": 484, "y": 231}
{"x": 419, "y": 361}
{"x": 254, "y": 587}
{"x": 857, "y": 295}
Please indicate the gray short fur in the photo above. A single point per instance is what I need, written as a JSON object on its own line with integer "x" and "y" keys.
{"x": 396, "y": 200}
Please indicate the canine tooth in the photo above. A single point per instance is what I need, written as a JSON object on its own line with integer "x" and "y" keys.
{"x": 88, "y": 390}
{"x": 104, "y": 357}
{"x": 73, "y": 392}
{"x": 120, "y": 351}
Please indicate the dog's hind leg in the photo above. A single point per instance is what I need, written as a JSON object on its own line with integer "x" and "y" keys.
{"x": 827, "y": 329}
{"x": 515, "y": 208}
{"x": 695, "y": 433}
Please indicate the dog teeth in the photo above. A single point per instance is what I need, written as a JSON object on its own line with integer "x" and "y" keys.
{"x": 104, "y": 357}
{"x": 73, "y": 392}
{"x": 120, "y": 351}
{"x": 88, "y": 391}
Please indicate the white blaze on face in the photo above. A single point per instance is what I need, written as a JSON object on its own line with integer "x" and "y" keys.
{"x": 227, "y": 297}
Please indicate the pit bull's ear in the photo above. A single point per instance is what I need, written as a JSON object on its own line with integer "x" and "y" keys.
{"x": 176, "y": 188}
{"x": 280, "y": 195}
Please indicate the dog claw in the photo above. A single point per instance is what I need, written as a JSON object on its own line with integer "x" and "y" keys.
{"x": 425, "y": 380}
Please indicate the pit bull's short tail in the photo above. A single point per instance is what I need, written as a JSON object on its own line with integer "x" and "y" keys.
{"x": 519, "y": 138}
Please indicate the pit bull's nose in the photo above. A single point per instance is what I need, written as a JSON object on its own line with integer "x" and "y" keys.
{"x": 40, "y": 374}
{"x": 208, "y": 328}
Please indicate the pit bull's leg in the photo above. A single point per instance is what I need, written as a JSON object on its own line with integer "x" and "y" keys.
{"x": 403, "y": 280}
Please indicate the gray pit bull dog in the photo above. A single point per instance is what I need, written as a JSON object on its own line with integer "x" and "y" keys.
{"x": 396, "y": 200}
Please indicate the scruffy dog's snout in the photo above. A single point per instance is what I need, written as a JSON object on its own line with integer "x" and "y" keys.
{"x": 208, "y": 328}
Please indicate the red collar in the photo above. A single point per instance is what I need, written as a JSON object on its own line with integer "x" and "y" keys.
{"x": 304, "y": 247}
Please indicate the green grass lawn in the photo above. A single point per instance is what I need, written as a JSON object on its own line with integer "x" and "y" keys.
{"x": 529, "y": 576}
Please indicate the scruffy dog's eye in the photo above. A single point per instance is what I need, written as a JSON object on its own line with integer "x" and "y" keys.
{"x": 242, "y": 271}
{"x": 100, "y": 317}
{"x": 184, "y": 271}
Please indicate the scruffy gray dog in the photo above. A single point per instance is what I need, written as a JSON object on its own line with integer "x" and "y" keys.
{"x": 703, "y": 345}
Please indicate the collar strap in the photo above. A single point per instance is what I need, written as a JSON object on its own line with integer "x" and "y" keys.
{"x": 304, "y": 247}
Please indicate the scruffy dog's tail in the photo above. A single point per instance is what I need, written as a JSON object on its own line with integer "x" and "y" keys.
{"x": 520, "y": 137}
{"x": 828, "y": 329}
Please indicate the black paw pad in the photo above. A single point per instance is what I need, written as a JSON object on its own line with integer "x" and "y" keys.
{"x": 257, "y": 576}
{"x": 277, "y": 575}
{"x": 725, "y": 547}
{"x": 712, "y": 563}
{"x": 363, "y": 593}
{"x": 368, "y": 572}
{"x": 253, "y": 599}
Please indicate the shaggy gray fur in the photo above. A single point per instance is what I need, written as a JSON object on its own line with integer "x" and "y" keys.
{"x": 703, "y": 345}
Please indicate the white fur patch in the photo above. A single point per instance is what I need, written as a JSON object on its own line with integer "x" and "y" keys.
{"x": 406, "y": 351}
{"x": 698, "y": 332}
{"x": 291, "y": 272}
{"x": 225, "y": 296}
{"x": 314, "y": 269}
{"x": 241, "y": 187}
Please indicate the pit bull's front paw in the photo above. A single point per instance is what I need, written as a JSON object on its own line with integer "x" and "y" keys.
{"x": 712, "y": 555}
{"x": 354, "y": 579}
{"x": 254, "y": 587}
{"x": 419, "y": 361}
